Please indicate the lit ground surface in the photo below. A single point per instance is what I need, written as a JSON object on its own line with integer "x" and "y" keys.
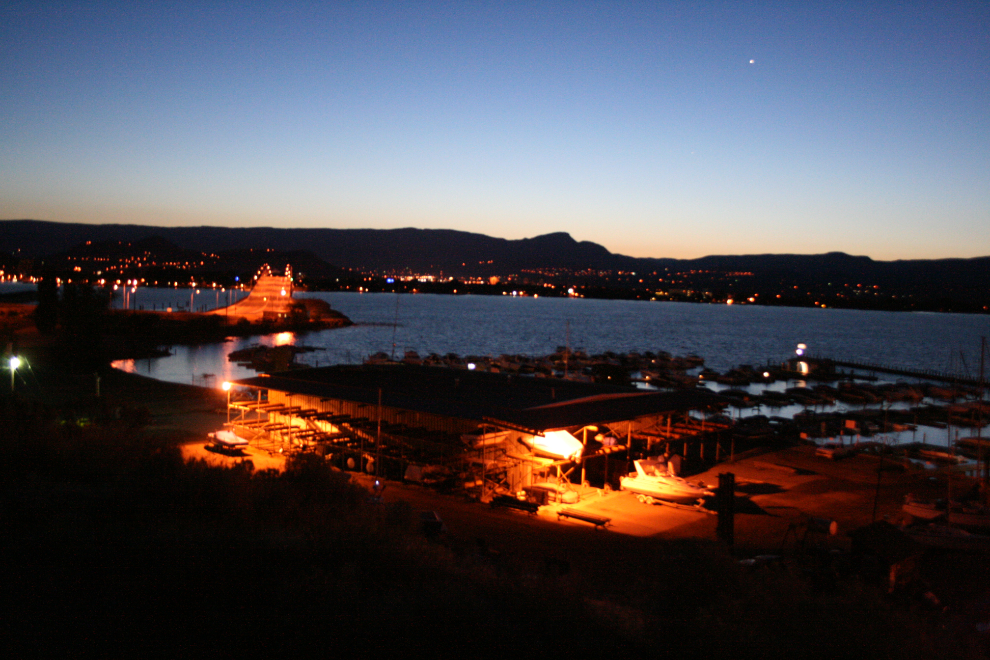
{"x": 261, "y": 460}
{"x": 777, "y": 492}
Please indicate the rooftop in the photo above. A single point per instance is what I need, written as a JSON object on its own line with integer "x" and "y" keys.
{"x": 525, "y": 402}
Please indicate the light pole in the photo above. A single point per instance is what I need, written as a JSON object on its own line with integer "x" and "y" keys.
{"x": 14, "y": 363}
{"x": 802, "y": 365}
{"x": 226, "y": 388}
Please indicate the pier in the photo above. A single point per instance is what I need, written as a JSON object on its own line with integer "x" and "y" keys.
{"x": 823, "y": 364}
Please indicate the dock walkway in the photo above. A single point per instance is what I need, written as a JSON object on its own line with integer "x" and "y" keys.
{"x": 923, "y": 374}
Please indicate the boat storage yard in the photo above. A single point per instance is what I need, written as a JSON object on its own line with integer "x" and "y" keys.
{"x": 489, "y": 433}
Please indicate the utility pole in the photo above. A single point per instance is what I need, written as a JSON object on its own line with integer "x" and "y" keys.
{"x": 378, "y": 440}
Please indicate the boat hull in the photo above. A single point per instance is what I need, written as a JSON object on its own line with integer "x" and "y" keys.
{"x": 671, "y": 489}
{"x": 977, "y": 518}
{"x": 923, "y": 510}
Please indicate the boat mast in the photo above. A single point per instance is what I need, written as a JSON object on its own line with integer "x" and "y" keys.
{"x": 567, "y": 344}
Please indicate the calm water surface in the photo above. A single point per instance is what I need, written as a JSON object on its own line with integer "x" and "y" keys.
{"x": 724, "y": 335}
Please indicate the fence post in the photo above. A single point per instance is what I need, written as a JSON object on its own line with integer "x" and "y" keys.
{"x": 725, "y": 500}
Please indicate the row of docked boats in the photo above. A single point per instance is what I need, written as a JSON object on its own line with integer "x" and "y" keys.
{"x": 564, "y": 363}
{"x": 664, "y": 371}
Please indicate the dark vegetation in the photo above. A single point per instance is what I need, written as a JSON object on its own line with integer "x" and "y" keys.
{"x": 112, "y": 545}
{"x": 84, "y": 334}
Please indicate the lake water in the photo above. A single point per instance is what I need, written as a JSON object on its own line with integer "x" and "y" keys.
{"x": 724, "y": 335}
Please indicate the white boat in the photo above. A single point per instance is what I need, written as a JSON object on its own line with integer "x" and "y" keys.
{"x": 652, "y": 481}
{"x": 559, "y": 445}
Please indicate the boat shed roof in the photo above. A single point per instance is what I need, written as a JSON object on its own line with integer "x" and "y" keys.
{"x": 525, "y": 402}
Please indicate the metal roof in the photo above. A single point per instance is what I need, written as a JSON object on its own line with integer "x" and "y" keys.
{"x": 538, "y": 404}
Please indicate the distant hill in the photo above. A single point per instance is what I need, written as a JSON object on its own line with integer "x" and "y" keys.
{"x": 456, "y": 252}
{"x": 461, "y": 254}
{"x": 159, "y": 256}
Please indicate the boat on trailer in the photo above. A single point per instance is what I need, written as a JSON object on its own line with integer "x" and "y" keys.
{"x": 652, "y": 481}
{"x": 225, "y": 440}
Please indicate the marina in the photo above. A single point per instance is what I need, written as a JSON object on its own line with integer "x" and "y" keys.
{"x": 853, "y": 404}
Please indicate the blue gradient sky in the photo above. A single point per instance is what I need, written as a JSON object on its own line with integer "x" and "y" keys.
{"x": 643, "y": 126}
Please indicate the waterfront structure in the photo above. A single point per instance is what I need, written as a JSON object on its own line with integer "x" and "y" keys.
{"x": 423, "y": 422}
{"x": 270, "y": 298}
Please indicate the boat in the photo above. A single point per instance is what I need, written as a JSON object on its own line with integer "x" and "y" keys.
{"x": 944, "y": 536}
{"x": 932, "y": 453}
{"x": 559, "y": 445}
{"x": 652, "y": 481}
{"x": 973, "y": 447}
{"x": 834, "y": 450}
{"x": 227, "y": 441}
{"x": 924, "y": 510}
{"x": 972, "y": 516}
{"x": 484, "y": 437}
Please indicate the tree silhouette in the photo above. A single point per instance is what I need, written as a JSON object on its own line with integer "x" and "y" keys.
{"x": 46, "y": 312}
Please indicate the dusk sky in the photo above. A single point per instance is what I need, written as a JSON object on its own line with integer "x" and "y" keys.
{"x": 657, "y": 129}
